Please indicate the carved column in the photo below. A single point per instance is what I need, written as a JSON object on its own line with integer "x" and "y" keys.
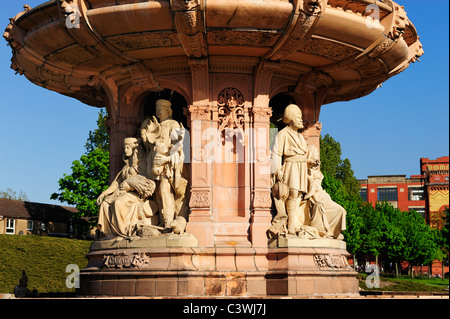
{"x": 200, "y": 218}
{"x": 261, "y": 217}
{"x": 313, "y": 89}
{"x": 312, "y": 134}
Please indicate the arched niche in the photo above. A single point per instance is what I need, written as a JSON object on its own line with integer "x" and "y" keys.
{"x": 278, "y": 103}
{"x": 179, "y": 104}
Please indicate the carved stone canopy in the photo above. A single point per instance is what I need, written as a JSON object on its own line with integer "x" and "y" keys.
{"x": 153, "y": 43}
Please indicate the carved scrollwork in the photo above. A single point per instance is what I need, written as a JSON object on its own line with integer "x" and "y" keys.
{"x": 188, "y": 21}
{"x": 231, "y": 110}
{"x": 141, "y": 76}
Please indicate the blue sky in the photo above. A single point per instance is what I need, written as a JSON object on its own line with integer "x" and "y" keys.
{"x": 385, "y": 133}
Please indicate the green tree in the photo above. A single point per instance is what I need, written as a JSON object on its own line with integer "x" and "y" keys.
{"x": 422, "y": 242}
{"x": 372, "y": 232}
{"x": 90, "y": 174}
{"x": 343, "y": 187}
{"x": 99, "y": 138}
{"x": 351, "y": 204}
{"x": 445, "y": 238}
{"x": 332, "y": 164}
{"x": 393, "y": 234}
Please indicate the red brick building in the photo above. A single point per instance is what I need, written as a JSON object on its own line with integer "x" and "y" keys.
{"x": 427, "y": 193}
{"x": 403, "y": 193}
{"x": 436, "y": 187}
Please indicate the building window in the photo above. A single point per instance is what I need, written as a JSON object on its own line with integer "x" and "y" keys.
{"x": 363, "y": 194}
{"x": 387, "y": 194}
{"x": 10, "y": 226}
{"x": 416, "y": 193}
{"x": 30, "y": 225}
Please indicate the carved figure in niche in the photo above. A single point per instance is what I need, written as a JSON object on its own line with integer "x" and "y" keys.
{"x": 328, "y": 217}
{"x": 126, "y": 203}
{"x": 303, "y": 207}
{"x": 289, "y": 168}
{"x": 165, "y": 164}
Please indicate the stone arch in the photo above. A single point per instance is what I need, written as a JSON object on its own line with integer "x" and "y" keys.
{"x": 148, "y": 99}
{"x": 278, "y": 103}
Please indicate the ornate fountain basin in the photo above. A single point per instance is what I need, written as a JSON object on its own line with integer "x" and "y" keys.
{"x": 352, "y": 46}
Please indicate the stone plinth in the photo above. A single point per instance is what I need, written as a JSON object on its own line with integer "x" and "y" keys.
{"x": 218, "y": 272}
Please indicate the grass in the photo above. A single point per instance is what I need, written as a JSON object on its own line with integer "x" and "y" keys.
{"x": 406, "y": 284}
{"x": 44, "y": 260}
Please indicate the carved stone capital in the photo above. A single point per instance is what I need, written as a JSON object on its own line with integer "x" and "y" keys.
{"x": 261, "y": 114}
{"x": 199, "y": 112}
{"x": 200, "y": 79}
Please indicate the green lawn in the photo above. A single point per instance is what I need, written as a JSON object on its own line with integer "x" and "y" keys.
{"x": 406, "y": 284}
{"x": 43, "y": 258}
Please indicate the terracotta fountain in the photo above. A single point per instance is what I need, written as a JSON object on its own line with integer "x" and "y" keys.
{"x": 228, "y": 69}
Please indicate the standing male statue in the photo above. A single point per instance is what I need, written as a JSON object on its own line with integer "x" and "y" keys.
{"x": 165, "y": 162}
{"x": 289, "y": 167}
{"x": 303, "y": 207}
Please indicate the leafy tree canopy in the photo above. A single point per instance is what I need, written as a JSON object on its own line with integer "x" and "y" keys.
{"x": 90, "y": 174}
{"x": 332, "y": 164}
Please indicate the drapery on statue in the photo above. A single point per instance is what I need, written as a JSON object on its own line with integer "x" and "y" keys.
{"x": 125, "y": 203}
{"x": 326, "y": 216}
{"x": 289, "y": 167}
{"x": 147, "y": 196}
{"x": 303, "y": 207}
